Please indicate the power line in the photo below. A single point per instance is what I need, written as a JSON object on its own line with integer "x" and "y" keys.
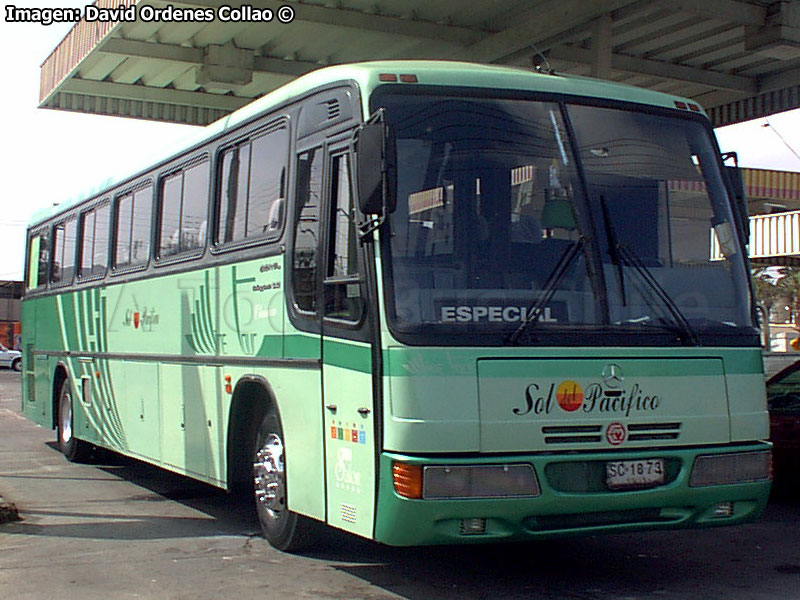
{"x": 778, "y": 133}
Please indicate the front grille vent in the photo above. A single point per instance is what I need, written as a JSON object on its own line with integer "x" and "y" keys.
{"x": 572, "y": 434}
{"x": 646, "y": 432}
{"x": 590, "y": 434}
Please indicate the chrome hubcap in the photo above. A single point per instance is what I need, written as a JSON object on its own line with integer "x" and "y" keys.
{"x": 268, "y": 473}
{"x": 66, "y": 419}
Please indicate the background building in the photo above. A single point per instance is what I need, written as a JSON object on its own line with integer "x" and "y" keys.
{"x": 10, "y": 315}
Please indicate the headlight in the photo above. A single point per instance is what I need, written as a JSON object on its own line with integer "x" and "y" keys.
{"x": 721, "y": 469}
{"x": 479, "y": 481}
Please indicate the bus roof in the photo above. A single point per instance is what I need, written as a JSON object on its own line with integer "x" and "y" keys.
{"x": 366, "y": 76}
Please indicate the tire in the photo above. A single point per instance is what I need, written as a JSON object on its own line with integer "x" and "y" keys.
{"x": 282, "y": 528}
{"x": 72, "y": 448}
{"x": 17, "y": 364}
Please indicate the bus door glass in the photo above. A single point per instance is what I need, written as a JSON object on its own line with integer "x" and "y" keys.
{"x": 346, "y": 362}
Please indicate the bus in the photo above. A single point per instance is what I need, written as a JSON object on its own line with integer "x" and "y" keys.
{"x": 421, "y": 302}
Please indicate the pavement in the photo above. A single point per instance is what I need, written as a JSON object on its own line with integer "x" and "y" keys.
{"x": 120, "y": 529}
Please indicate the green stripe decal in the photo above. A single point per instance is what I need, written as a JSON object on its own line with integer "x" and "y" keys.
{"x": 348, "y": 356}
{"x": 353, "y": 356}
{"x": 592, "y": 368}
{"x": 302, "y": 346}
{"x": 271, "y": 347}
{"x": 653, "y": 362}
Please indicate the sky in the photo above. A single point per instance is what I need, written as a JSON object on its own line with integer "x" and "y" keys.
{"x": 48, "y": 156}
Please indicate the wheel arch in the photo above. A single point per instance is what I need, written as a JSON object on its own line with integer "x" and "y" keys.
{"x": 60, "y": 374}
{"x": 252, "y": 397}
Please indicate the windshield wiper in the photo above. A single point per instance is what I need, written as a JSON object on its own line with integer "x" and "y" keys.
{"x": 685, "y": 330}
{"x": 611, "y": 236}
{"x": 535, "y": 311}
{"x": 620, "y": 254}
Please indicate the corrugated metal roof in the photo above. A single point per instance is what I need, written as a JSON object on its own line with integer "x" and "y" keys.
{"x": 738, "y": 58}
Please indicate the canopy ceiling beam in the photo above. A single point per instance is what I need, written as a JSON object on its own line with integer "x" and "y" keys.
{"x": 631, "y": 64}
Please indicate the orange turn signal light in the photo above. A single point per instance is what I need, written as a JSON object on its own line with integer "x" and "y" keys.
{"x": 228, "y": 386}
{"x": 407, "y": 479}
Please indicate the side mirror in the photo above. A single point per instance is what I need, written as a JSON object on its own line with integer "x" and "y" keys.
{"x": 375, "y": 153}
{"x": 737, "y": 188}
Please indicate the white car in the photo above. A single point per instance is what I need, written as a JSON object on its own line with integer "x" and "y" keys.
{"x": 10, "y": 358}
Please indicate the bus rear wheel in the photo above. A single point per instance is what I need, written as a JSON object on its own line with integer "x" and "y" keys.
{"x": 282, "y": 528}
{"x": 72, "y": 448}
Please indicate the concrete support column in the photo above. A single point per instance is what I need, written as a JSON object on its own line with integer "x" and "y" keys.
{"x": 602, "y": 47}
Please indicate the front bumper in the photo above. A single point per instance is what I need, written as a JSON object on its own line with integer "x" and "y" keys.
{"x": 573, "y": 500}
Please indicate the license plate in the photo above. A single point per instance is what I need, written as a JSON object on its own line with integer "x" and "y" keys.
{"x": 621, "y": 474}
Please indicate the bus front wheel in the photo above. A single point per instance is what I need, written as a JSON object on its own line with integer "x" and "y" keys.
{"x": 283, "y": 529}
{"x": 73, "y": 449}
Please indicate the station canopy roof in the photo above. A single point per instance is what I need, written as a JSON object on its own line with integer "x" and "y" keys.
{"x": 740, "y": 59}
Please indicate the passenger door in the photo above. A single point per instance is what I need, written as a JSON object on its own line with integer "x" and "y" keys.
{"x": 349, "y": 423}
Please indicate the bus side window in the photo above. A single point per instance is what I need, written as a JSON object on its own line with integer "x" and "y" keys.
{"x": 252, "y": 183}
{"x": 306, "y": 229}
{"x": 171, "y": 192}
{"x": 101, "y": 227}
{"x": 194, "y": 207}
{"x": 134, "y": 212}
{"x": 58, "y": 253}
{"x": 184, "y": 198}
{"x": 342, "y": 289}
{"x": 64, "y": 238}
{"x": 38, "y": 261}
{"x": 122, "y": 251}
{"x": 87, "y": 243}
{"x": 267, "y": 181}
{"x": 142, "y": 225}
{"x": 232, "y": 202}
{"x": 70, "y": 241}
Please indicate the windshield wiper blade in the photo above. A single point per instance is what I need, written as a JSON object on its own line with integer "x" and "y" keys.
{"x": 684, "y": 328}
{"x": 613, "y": 250}
{"x": 535, "y": 311}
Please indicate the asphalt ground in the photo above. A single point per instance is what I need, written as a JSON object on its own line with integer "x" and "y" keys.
{"x": 121, "y": 529}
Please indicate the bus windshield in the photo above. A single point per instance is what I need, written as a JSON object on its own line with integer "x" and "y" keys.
{"x": 595, "y": 225}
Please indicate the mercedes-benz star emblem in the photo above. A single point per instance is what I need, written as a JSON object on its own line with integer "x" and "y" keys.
{"x": 612, "y": 375}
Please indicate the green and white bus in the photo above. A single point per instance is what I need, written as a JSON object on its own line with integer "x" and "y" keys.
{"x": 422, "y": 302}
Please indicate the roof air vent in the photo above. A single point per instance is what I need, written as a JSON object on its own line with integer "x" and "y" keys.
{"x": 333, "y": 108}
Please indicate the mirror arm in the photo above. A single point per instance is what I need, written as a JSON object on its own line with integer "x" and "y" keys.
{"x": 370, "y": 225}
{"x": 366, "y": 228}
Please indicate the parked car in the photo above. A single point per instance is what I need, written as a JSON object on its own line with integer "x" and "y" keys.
{"x": 783, "y": 398}
{"x": 10, "y": 358}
